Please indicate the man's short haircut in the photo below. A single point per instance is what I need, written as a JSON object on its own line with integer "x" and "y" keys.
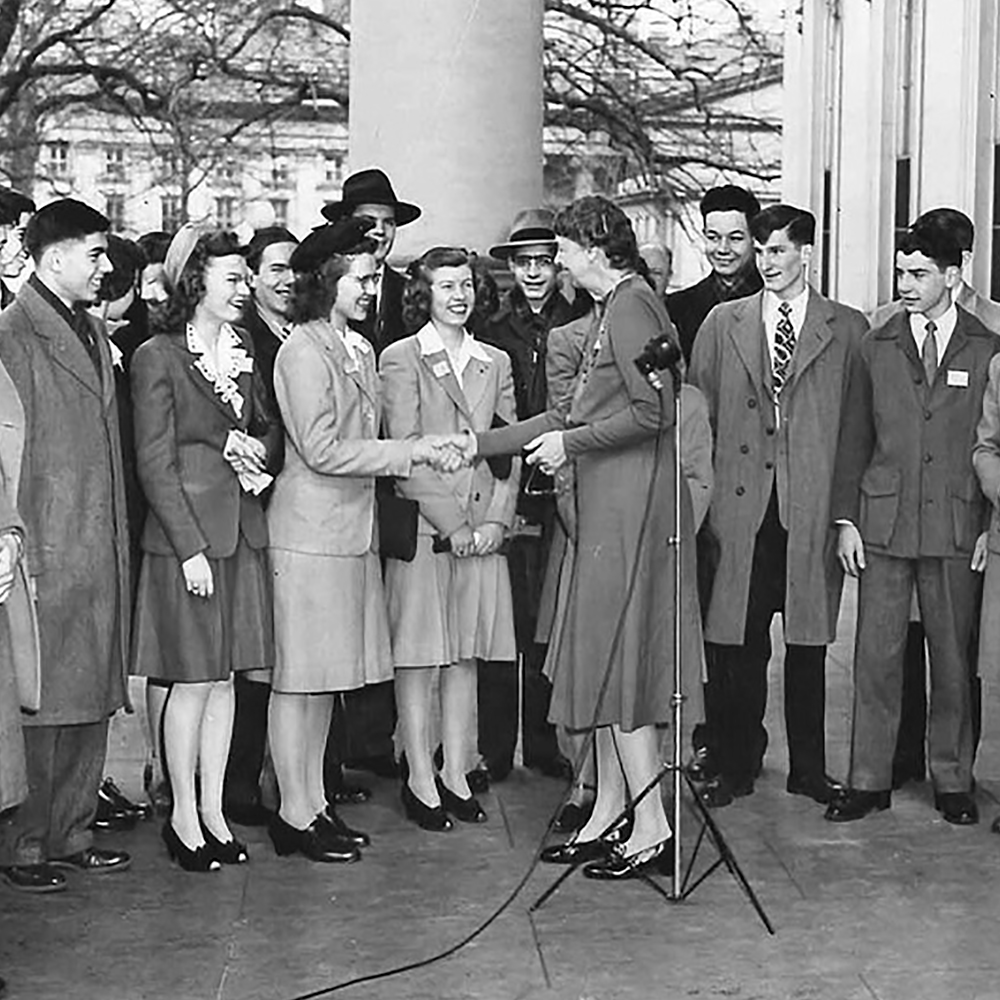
{"x": 940, "y": 246}
{"x": 154, "y": 246}
{"x": 800, "y": 224}
{"x": 262, "y": 239}
{"x": 729, "y": 198}
{"x": 951, "y": 222}
{"x": 66, "y": 219}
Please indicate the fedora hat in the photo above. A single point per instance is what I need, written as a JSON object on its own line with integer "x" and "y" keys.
{"x": 370, "y": 187}
{"x": 531, "y": 227}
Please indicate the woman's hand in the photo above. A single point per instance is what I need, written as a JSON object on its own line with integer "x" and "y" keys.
{"x": 488, "y": 538}
{"x": 198, "y": 576}
{"x": 548, "y": 450}
{"x": 463, "y": 542}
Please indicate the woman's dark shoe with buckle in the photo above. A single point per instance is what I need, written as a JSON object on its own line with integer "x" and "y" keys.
{"x": 315, "y": 842}
{"x": 427, "y": 817}
{"x": 191, "y": 859}
{"x": 329, "y": 820}
{"x": 957, "y": 807}
{"x": 226, "y": 852}
{"x": 34, "y": 878}
{"x": 465, "y": 810}
{"x": 94, "y": 859}
{"x": 658, "y": 860}
{"x": 855, "y": 803}
{"x": 576, "y": 852}
{"x": 820, "y": 788}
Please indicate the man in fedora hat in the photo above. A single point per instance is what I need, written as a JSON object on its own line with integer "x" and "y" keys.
{"x": 15, "y": 210}
{"x": 361, "y": 735}
{"x": 529, "y": 311}
{"x": 369, "y": 194}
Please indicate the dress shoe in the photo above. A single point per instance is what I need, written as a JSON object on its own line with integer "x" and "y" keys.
{"x": 191, "y": 859}
{"x": 856, "y": 803}
{"x": 957, "y": 807}
{"x": 481, "y": 776}
{"x": 247, "y": 813}
{"x": 995, "y": 825}
{"x": 94, "y": 859}
{"x": 720, "y": 791}
{"x": 315, "y": 842}
{"x": 904, "y": 772}
{"x": 820, "y": 788}
{"x": 109, "y": 792}
{"x": 110, "y": 820}
{"x": 657, "y": 860}
{"x": 346, "y": 794}
{"x": 556, "y": 766}
{"x": 702, "y": 767}
{"x": 226, "y": 852}
{"x": 572, "y": 816}
{"x": 332, "y": 822}
{"x": 34, "y": 878}
{"x": 427, "y": 817}
{"x": 465, "y": 810}
{"x": 382, "y": 765}
{"x": 577, "y": 852}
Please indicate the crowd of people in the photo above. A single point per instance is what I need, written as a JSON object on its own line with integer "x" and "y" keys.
{"x": 324, "y": 508}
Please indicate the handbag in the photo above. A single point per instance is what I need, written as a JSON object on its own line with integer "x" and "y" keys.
{"x": 397, "y": 525}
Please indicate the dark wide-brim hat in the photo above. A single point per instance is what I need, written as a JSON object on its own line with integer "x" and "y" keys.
{"x": 370, "y": 187}
{"x": 326, "y": 241}
{"x": 13, "y": 205}
{"x": 531, "y": 227}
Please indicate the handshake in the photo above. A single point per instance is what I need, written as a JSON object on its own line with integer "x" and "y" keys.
{"x": 445, "y": 452}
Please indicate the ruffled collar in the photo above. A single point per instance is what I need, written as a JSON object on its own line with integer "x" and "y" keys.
{"x": 231, "y": 360}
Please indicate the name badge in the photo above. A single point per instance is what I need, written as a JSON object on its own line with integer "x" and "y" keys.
{"x": 442, "y": 368}
{"x": 958, "y": 378}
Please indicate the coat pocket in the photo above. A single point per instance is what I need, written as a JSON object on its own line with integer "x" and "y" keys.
{"x": 879, "y": 504}
{"x": 967, "y": 513}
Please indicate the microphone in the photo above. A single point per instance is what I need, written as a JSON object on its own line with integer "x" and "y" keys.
{"x": 660, "y": 354}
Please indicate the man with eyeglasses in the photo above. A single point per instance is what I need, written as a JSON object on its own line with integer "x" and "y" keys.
{"x": 726, "y": 212}
{"x": 533, "y": 307}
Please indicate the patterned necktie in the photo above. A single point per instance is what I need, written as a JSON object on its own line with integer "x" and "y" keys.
{"x": 929, "y": 354}
{"x": 784, "y": 345}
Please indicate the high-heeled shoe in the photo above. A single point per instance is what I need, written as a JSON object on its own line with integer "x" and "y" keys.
{"x": 578, "y": 852}
{"x": 427, "y": 817}
{"x": 655, "y": 860}
{"x": 465, "y": 810}
{"x": 227, "y": 852}
{"x": 314, "y": 842}
{"x": 198, "y": 859}
{"x": 332, "y": 821}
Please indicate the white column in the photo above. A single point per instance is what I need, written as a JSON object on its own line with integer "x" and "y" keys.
{"x": 446, "y": 97}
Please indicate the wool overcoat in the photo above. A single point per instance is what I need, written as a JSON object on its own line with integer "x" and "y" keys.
{"x": 758, "y": 445}
{"x": 71, "y": 499}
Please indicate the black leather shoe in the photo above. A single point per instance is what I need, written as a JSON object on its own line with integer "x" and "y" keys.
{"x": 247, "y": 813}
{"x": 820, "y": 788}
{"x": 576, "y": 852}
{"x": 94, "y": 859}
{"x": 855, "y": 803}
{"x": 658, "y": 860}
{"x": 315, "y": 842}
{"x": 720, "y": 791}
{"x": 957, "y": 807}
{"x": 572, "y": 816}
{"x": 110, "y": 793}
{"x": 702, "y": 766}
{"x": 346, "y": 794}
{"x": 492, "y": 772}
{"x": 556, "y": 766}
{"x": 110, "y": 820}
{"x": 34, "y": 878}
{"x": 382, "y": 765}
{"x": 432, "y": 818}
{"x": 329, "y": 819}
{"x": 464, "y": 810}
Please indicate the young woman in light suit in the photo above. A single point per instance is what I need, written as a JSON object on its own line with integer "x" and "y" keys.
{"x": 330, "y": 622}
{"x": 451, "y": 605}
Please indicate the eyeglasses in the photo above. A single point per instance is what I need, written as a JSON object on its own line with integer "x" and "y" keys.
{"x": 525, "y": 260}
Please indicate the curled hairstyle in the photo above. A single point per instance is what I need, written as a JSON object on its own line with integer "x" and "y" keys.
{"x": 594, "y": 221}
{"x": 420, "y": 276}
{"x": 189, "y": 289}
{"x": 315, "y": 290}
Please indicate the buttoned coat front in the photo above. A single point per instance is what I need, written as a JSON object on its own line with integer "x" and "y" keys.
{"x": 754, "y": 451}
{"x": 72, "y": 502}
{"x": 331, "y": 406}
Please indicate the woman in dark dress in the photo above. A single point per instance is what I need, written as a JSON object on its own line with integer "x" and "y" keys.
{"x": 612, "y": 652}
{"x": 204, "y": 606}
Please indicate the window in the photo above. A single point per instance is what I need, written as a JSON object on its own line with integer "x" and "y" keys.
{"x": 280, "y": 208}
{"x": 170, "y": 165}
{"x": 225, "y": 212}
{"x": 279, "y": 173}
{"x": 171, "y": 213}
{"x": 227, "y": 172}
{"x": 333, "y": 168}
{"x": 114, "y": 209}
{"x": 58, "y": 158}
{"x": 114, "y": 162}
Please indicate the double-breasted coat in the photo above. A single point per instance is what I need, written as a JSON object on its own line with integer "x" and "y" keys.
{"x": 71, "y": 499}
{"x": 756, "y": 447}
{"x": 20, "y": 680}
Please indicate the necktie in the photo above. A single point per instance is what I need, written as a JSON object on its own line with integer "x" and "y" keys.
{"x": 928, "y": 353}
{"x": 784, "y": 345}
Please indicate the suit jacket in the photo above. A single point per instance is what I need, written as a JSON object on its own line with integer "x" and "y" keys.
{"x": 181, "y": 425}
{"x": 985, "y": 310}
{"x": 755, "y": 452}
{"x": 324, "y": 499}
{"x": 384, "y": 326}
{"x": 71, "y": 500}
{"x": 904, "y": 472}
{"x": 423, "y": 396}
